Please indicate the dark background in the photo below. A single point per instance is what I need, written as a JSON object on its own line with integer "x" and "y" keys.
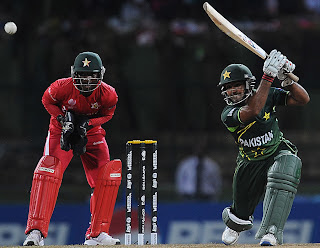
{"x": 164, "y": 57}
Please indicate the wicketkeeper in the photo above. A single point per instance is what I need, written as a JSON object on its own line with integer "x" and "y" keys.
{"x": 78, "y": 106}
{"x": 267, "y": 163}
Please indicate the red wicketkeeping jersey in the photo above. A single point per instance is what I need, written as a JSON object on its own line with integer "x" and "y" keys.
{"x": 61, "y": 96}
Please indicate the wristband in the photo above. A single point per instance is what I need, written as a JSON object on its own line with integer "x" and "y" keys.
{"x": 267, "y": 78}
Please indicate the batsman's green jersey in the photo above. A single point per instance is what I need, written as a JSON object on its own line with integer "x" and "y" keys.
{"x": 259, "y": 138}
{"x": 259, "y": 141}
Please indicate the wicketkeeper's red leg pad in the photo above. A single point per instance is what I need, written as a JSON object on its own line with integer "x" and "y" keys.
{"x": 104, "y": 197}
{"x": 46, "y": 182}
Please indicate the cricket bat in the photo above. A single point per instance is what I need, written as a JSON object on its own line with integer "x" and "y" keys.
{"x": 224, "y": 25}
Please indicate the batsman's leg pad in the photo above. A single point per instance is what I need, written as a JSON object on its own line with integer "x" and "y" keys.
{"x": 46, "y": 182}
{"x": 234, "y": 222}
{"x": 283, "y": 180}
{"x": 104, "y": 197}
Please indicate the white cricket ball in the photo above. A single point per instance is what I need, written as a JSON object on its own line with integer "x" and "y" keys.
{"x": 10, "y": 27}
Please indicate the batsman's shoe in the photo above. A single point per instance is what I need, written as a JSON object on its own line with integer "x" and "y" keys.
{"x": 229, "y": 236}
{"x": 102, "y": 239}
{"x": 34, "y": 238}
{"x": 268, "y": 240}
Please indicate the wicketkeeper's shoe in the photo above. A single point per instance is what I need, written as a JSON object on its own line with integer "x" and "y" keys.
{"x": 34, "y": 238}
{"x": 102, "y": 239}
{"x": 268, "y": 240}
{"x": 229, "y": 236}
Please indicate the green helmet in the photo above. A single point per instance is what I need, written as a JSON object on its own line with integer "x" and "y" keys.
{"x": 236, "y": 73}
{"x": 87, "y": 71}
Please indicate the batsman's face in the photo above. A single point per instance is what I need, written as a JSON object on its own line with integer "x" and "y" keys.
{"x": 235, "y": 91}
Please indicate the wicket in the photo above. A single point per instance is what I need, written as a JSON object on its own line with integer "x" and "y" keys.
{"x": 142, "y": 191}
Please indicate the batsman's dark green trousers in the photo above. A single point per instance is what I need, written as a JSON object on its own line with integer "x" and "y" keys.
{"x": 249, "y": 182}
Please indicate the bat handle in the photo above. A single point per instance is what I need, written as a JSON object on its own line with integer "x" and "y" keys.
{"x": 293, "y": 77}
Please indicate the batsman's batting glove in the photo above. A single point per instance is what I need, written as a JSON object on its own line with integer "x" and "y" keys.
{"x": 274, "y": 63}
{"x": 288, "y": 67}
{"x": 287, "y": 82}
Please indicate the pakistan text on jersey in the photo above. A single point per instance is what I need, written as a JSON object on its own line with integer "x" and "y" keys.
{"x": 257, "y": 141}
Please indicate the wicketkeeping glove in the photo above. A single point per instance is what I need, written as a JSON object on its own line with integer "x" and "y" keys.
{"x": 79, "y": 143}
{"x": 83, "y": 127}
{"x": 274, "y": 63}
{"x": 67, "y": 123}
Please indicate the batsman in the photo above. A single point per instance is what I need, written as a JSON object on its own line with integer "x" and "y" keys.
{"x": 267, "y": 163}
{"x": 78, "y": 106}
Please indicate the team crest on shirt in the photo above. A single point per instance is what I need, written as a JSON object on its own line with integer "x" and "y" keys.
{"x": 71, "y": 103}
{"x": 95, "y": 105}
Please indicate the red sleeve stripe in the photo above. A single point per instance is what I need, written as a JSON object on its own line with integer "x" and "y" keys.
{"x": 267, "y": 78}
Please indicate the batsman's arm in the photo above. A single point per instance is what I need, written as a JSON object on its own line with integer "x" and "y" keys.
{"x": 271, "y": 67}
{"x": 256, "y": 102}
{"x": 298, "y": 96}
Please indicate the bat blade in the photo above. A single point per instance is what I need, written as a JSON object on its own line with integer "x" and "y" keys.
{"x": 229, "y": 29}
